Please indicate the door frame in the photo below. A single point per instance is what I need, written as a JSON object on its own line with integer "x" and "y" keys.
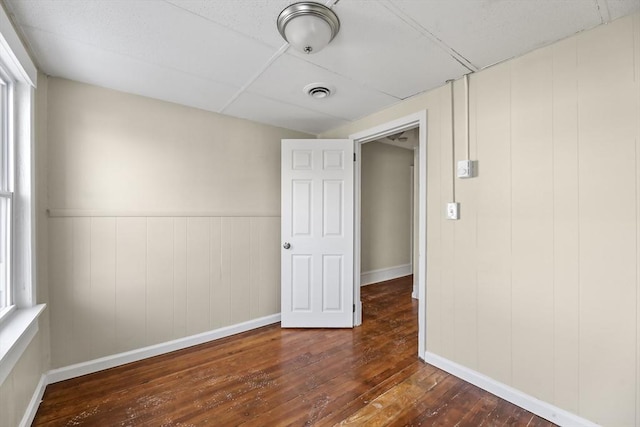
{"x": 415, "y": 120}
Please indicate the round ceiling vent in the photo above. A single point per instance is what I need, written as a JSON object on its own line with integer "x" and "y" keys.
{"x": 319, "y": 90}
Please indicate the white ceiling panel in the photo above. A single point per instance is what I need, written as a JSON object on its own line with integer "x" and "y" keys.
{"x": 487, "y": 31}
{"x": 351, "y": 100}
{"x": 254, "y": 18}
{"x": 227, "y": 55}
{"x": 255, "y": 107}
{"x": 77, "y": 61}
{"x": 150, "y": 31}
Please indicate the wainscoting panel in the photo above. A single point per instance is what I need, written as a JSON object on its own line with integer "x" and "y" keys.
{"x": 161, "y": 280}
{"x": 123, "y": 283}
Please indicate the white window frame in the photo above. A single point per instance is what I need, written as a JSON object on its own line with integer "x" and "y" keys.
{"x": 20, "y": 325}
{"x": 6, "y": 187}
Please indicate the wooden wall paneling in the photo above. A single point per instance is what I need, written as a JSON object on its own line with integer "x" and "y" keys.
{"x": 255, "y": 256}
{"x": 131, "y": 282}
{"x": 82, "y": 298}
{"x": 532, "y": 224}
{"x": 179, "y": 277}
{"x": 435, "y": 210}
{"x": 267, "y": 284}
{"x": 103, "y": 287}
{"x": 465, "y": 330}
{"x": 219, "y": 295}
{"x": 198, "y": 271}
{"x": 223, "y": 297}
{"x": 238, "y": 244}
{"x": 160, "y": 268}
{"x": 607, "y": 121}
{"x": 493, "y": 129}
{"x": 566, "y": 230}
{"x": 60, "y": 309}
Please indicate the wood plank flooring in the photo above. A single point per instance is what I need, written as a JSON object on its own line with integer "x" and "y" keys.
{"x": 367, "y": 376}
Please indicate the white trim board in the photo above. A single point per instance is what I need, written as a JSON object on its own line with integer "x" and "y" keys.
{"x": 380, "y": 275}
{"x": 92, "y": 366}
{"x": 414, "y": 120}
{"x": 542, "y": 409}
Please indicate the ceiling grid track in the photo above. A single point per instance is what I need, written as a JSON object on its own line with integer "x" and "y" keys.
{"x": 603, "y": 10}
{"x": 425, "y": 32}
{"x": 255, "y": 77}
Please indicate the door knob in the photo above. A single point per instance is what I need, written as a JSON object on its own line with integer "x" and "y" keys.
{"x": 286, "y": 245}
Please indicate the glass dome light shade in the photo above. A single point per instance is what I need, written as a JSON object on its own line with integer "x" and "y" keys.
{"x": 308, "y": 26}
{"x": 308, "y": 34}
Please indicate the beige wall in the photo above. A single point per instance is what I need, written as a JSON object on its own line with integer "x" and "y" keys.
{"x": 125, "y": 154}
{"x": 537, "y": 284}
{"x": 386, "y": 201}
{"x": 164, "y": 221}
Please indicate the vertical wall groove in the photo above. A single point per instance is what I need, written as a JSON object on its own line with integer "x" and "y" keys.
{"x": 554, "y": 219}
{"x": 510, "y": 125}
{"x": 636, "y": 60}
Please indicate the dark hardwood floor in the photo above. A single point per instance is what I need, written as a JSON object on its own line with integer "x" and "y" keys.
{"x": 369, "y": 376}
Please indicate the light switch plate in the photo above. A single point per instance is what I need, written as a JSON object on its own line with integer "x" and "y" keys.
{"x": 465, "y": 169}
{"x": 453, "y": 210}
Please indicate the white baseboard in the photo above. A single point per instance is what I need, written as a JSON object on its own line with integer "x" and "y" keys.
{"x": 510, "y": 394}
{"x": 112, "y": 361}
{"x": 375, "y": 276}
{"x": 30, "y": 413}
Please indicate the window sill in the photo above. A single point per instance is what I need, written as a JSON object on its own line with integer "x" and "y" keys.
{"x": 16, "y": 333}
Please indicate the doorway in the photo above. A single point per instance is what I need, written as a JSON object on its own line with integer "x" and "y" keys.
{"x": 387, "y": 202}
{"x": 414, "y": 121}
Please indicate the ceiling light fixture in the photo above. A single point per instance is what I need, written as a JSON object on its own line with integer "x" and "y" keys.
{"x": 308, "y": 26}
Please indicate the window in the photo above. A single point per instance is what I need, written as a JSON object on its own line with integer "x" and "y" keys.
{"x": 6, "y": 193}
{"x": 18, "y": 309}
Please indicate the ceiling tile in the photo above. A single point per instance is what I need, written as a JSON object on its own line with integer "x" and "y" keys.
{"x": 487, "y": 31}
{"x": 260, "y": 109}
{"x": 380, "y": 50}
{"x": 150, "y": 31}
{"x": 77, "y": 61}
{"x": 620, "y": 8}
{"x": 350, "y": 100}
{"x": 254, "y": 18}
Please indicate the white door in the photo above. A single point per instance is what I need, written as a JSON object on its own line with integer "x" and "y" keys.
{"x": 317, "y": 233}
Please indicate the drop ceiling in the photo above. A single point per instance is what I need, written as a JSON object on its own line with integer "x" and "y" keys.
{"x": 227, "y": 56}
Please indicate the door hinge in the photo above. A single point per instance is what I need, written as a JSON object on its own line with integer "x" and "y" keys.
{"x": 354, "y": 308}
{"x": 354, "y": 157}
